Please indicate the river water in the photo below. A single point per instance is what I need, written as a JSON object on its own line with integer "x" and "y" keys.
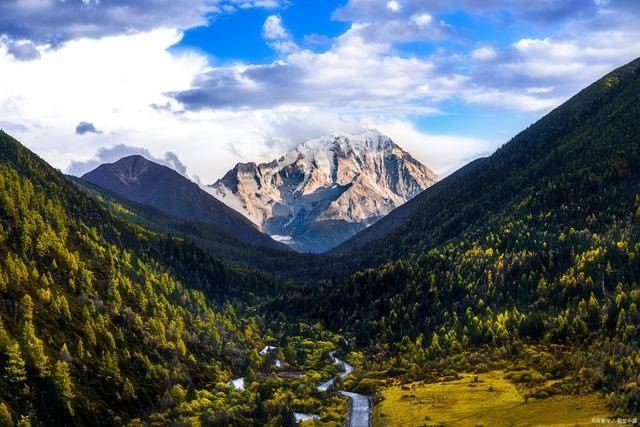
{"x": 360, "y": 413}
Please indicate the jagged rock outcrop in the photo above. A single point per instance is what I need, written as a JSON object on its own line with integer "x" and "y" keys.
{"x": 325, "y": 190}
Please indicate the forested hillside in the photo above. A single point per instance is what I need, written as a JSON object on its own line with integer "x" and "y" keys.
{"x": 538, "y": 244}
{"x": 560, "y": 148}
{"x": 104, "y": 322}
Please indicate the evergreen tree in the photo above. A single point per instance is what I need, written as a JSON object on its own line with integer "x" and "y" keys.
{"x": 63, "y": 385}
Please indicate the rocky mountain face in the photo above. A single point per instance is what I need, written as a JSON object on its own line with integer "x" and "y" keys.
{"x": 143, "y": 181}
{"x": 325, "y": 190}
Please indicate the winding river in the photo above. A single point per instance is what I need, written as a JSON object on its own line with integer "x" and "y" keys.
{"x": 360, "y": 414}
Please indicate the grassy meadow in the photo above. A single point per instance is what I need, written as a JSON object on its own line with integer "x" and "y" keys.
{"x": 488, "y": 399}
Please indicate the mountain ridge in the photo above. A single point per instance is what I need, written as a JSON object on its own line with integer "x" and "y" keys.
{"x": 144, "y": 181}
{"x": 325, "y": 189}
{"x": 285, "y": 263}
{"x": 395, "y": 218}
{"x": 432, "y": 210}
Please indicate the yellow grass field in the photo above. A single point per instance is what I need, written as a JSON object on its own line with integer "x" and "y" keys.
{"x": 490, "y": 401}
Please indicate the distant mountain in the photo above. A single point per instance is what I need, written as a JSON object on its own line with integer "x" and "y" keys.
{"x": 208, "y": 236}
{"x": 325, "y": 190}
{"x": 143, "y": 181}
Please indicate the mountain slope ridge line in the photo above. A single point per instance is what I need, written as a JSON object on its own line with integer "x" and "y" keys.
{"x": 144, "y": 181}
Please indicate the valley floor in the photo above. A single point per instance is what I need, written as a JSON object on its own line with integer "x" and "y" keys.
{"x": 481, "y": 399}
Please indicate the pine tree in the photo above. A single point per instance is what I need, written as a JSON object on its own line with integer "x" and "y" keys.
{"x": 128, "y": 392}
{"x": 5, "y": 415}
{"x": 435, "y": 348}
{"x": 80, "y": 349}
{"x": 4, "y": 281}
{"x": 26, "y": 308}
{"x": 63, "y": 385}
{"x": 34, "y": 350}
{"x": 65, "y": 356}
{"x": 15, "y": 371}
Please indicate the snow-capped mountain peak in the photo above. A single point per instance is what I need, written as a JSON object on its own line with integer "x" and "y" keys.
{"x": 326, "y": 189}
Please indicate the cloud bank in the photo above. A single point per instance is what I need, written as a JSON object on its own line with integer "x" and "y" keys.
{"x": 109, "y": 61}
{"x": 363, "y": 70}
{"x": 54, "y": 22}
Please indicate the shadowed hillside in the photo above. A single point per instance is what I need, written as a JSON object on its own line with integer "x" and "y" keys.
{"x": 539, "y": 243}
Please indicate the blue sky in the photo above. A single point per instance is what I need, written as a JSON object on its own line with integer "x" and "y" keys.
{"x": 203, "y": 84}
{"x": 237, "y": 36}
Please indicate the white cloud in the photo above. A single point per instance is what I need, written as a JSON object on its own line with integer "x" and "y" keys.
{"x": 442, "y": 153}
{"x": 277, "y": 36}
{"x": 113, "y": 81}
{"x": 422, "y": 19}
{"x": 284, "y": 47}
{"x": 395, "y": 21}
{"x": 522, "y": 100}
{"x": 544, "y": 12}
{"x": 484, "y": 53}
{"x": 393, "y": 5}
{"x": 353, "y": 74}
{"x": 538, "y": 74}
{"x": 56, "y": 21}
{"x": 273, "y": 28}
{"x": 123, "y": 73}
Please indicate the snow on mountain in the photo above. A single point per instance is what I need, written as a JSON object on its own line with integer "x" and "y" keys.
{"x": 325, "y": 190}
